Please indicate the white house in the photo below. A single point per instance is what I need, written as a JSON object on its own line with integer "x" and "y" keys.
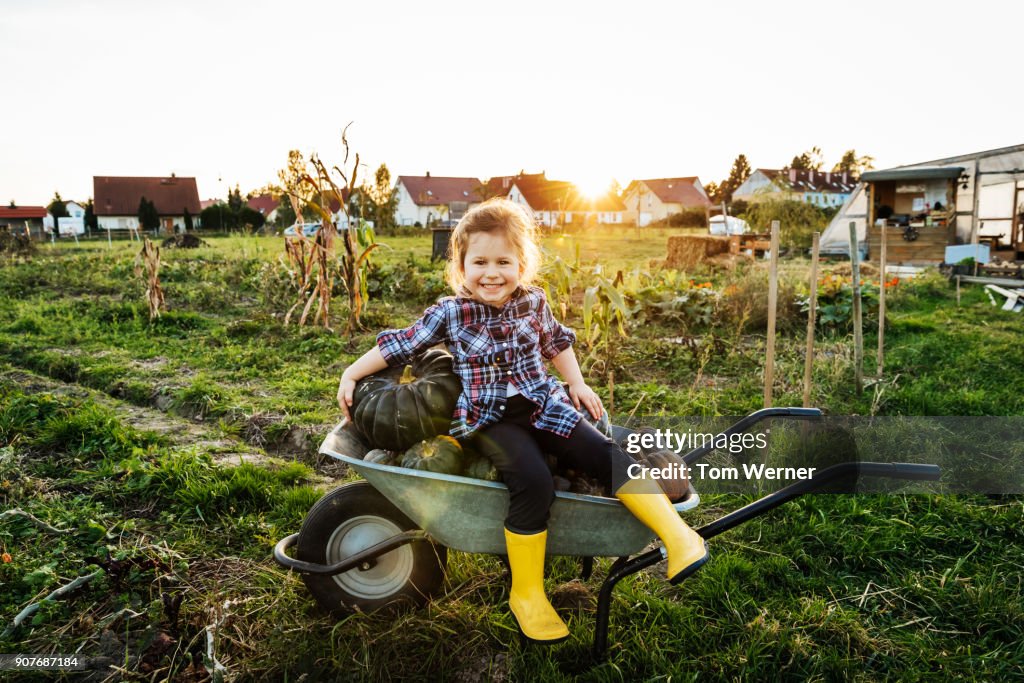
{"x": 556, "y": 202}
{"x": 821, "y": 188}
{"x": 658, "y": 198}
{"x": 116, "y": 201}
{"x": 72, "y": 224}
{"x": 427, "y": 199}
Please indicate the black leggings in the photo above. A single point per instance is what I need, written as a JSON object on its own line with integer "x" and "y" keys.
{"x": 517, "y": 450}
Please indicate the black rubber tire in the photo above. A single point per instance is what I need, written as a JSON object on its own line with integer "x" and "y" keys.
{"x": 350, "y": 519}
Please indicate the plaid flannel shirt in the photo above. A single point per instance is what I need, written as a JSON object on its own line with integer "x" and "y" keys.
{"x": 492, "y": 347}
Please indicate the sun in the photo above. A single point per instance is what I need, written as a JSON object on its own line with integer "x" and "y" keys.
{"x": 593, "y": 186}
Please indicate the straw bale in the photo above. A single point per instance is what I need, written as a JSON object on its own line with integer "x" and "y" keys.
{"x": 686, "y": 251}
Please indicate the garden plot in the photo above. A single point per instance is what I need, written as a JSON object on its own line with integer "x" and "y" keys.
{"x": 828, "y": 588}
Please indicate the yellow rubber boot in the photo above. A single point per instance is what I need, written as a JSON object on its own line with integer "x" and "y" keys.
{"x": 537, "y": 619}
{"x": 686, "y": 550}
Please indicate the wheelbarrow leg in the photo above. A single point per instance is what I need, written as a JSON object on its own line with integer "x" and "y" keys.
{"x": 588, "y": 568}
{"x": 622, "y": 568}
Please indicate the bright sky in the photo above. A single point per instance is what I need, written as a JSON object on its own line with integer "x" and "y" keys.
{"x": 586, "y": 91}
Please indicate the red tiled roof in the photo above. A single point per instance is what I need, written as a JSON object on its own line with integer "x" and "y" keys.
{"x": 264, "y": 203}
{"x": 119, "y": 196}
{"x": 433, "y": 190}
{"x": 549, "y": 195}
{"x": 812, "y": 181}
{"x": 676, "y": 190}
{"x": 499, "y": 185}
{"x": 23, "y": 212}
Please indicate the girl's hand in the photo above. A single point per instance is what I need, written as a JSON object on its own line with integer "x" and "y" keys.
{"x": 581, "y": 394}
{"x": 346, "y": 389}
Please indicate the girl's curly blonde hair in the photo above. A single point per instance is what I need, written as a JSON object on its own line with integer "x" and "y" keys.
{"x": 494, "y": 215}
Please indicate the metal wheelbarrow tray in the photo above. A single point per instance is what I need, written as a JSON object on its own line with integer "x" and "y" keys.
{"x": 369, "y": 544}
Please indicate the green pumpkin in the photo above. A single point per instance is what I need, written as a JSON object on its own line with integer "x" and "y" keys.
{"x": 380, "y": 457}
{"x": 602, "y": 424}
{"x": 347, "y": 440}
{"x": 441, "y": 454}
{"x": 401, "y": 406}
{"x": 482, "y": 468}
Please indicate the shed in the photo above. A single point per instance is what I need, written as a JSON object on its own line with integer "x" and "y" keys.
{"x": 925, "y": 207}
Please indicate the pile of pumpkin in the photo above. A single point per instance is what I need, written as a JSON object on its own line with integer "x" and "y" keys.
{"x": 401, "y": 417}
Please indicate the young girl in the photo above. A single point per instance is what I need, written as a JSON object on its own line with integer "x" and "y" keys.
{"x": 499, "y": 330}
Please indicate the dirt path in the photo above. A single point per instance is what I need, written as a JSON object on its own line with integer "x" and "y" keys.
{"x": 180, "y": 432}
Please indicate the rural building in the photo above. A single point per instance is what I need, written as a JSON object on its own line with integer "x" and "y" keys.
{"x": 116, "y": 201}
{"x": 72, "y": 224}
{"x": 821, "y": 188}
{"x": 658, "y": 198}
{"x": 265, "y": 204}
{"x": 556, "y": 202}
{"x": 426, "y": 199}
{"x": 927, "y": 206}
{"x": 22, "y": 220}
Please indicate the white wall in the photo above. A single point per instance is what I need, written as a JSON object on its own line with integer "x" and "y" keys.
{"x": 407, "y": 212}
{"x": 118, "y": 222}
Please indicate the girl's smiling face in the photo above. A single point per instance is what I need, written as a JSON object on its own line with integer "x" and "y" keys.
{"x": 491, "y": 267}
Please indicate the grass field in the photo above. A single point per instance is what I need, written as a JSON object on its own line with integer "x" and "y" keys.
{"x": 166, "y": 458}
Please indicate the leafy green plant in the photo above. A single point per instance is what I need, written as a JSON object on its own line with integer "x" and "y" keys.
{"x": 835, "y": 302}
{"x": 670, "y": 296}
{"x": 605, "y": 310}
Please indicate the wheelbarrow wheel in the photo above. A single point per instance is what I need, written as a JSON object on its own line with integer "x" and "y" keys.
{"x": 349, "y": 520}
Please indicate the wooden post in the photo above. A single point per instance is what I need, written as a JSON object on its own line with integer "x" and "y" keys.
{"x": 773, "y": 295}
{"x": 811, "y": 312}
{"x": 881, "y": 307}
{"x": 858, "y": 332}
{"x": 958, "y": 291}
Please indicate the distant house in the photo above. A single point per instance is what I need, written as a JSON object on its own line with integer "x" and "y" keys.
{"x": 555, "y": 202}
{"x": 265, "y": 204}
{"x": 73, "y": 224}
{"x": 21, "y": 220}
{"x": 425, "y": 199}
{"x": 821, "y": 188}
{"x": 116, "y": 201}
{"x": 658, "y": 198}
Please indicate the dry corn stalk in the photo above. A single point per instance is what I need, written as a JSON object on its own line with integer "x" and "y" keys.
{"x": 306, "y": 255}
{"x": 319, "y": 191}
{"x": 150, "y": 257}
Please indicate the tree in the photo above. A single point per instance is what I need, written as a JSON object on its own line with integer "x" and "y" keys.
{"x": 248, "y": 216}
{"x": 189, "y": 226}
{"x": 798, "y": 219}
{"x": 285, "y": 215}
{"x": 92, "y": 224}
{"x": 235, "y": 201}
{"x": 811, "y": 160}
{"x": 149, "y": 219}
{"x": 383, "y": 197}
{"x": 217, "y": 217}
{"x": 851, "y": 163}
{"x": 713, "y": 190}
{"x": 58, "y": 208}
{"x": 737, "y": 175}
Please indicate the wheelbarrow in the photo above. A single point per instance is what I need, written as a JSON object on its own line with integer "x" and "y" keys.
{"x": 372, "y": 543}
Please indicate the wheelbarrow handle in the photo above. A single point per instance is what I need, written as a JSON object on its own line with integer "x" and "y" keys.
{"x": 743, "y": 424}
{"x": 623, "y": 567}
{"x": 365, "y": 556}
{"x": 901, "y": 470}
